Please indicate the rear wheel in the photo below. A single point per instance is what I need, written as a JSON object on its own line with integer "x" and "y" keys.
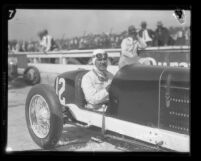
{"x": 44, "y": 116}
{"x": 32, "y": 75}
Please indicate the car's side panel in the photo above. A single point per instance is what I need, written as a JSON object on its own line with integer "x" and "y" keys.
{"x": 156, "y": 136}
{"x": 134, "y": 95}
{"x": 175, "y": 100}
{"x": 67, "y": 82}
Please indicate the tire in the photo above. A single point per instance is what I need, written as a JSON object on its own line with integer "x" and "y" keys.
{"x": 47, "y": 93}
{"x": 32, "y": 75}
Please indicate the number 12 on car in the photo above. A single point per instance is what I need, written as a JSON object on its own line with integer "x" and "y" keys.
{"x": 60, "y": 88}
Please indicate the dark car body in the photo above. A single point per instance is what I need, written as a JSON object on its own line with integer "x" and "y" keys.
{"x": 151, "y": 96}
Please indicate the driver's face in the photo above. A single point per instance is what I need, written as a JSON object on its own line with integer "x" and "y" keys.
{"x": 101, "y": 61}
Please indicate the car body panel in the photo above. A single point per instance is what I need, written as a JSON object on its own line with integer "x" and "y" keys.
{"x": 175, "y": 100}
{"x": 134, "y": 95}
{"x": 69, "y": 77}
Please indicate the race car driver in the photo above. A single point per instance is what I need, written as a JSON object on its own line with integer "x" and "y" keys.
{"x": 96, "y": 82}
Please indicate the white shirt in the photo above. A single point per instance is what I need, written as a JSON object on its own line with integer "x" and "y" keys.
{"x": 129, "y": 46}
{"x": 146, "y": 36}
{"x": 94, "y": 89}
{"x": 46, "y": 42}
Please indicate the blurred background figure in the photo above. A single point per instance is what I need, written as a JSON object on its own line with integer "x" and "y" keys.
{"x": 24, "y": 46}
{"x": 46, "y": 41}
{"x": 161, "y": 35}
{"x": 180, "y": 37}
{"x": 146, "y": 34}
{"x": 17, "y": 47}
{"x": 187, "y": 35}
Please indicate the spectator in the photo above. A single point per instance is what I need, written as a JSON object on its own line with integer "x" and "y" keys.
{"x": 30, "y": 46}
{"x": 18, "y": 47}
{"x": 161, "y": 35}
{"x": 187, "y": 36}
{"x": 146, "y": 34}
{"x": 180, "y": 38}
{"x": 47, "y": 42}
{"x": 24, "y": 46}
{"x": 129, "y": 47}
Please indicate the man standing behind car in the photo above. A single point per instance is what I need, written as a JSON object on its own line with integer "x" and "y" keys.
{"x": 146, "y": 34}
{"x": 129, "y": 48}
{"x": 96, "y": 82}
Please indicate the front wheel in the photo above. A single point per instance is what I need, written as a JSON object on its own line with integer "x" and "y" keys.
{"x": 44, "y": 116}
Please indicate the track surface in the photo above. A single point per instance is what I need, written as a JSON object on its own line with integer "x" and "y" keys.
{"x": 73, "y": 138}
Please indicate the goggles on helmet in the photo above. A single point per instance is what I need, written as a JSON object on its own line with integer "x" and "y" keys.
{"x": 101, "y": 56}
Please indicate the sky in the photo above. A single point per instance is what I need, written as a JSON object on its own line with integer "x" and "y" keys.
{"x": 69, "y": 23}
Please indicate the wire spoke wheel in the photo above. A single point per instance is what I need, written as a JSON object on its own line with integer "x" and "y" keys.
{"x": 39, "y": 115}
{"x": 44, "y": 115}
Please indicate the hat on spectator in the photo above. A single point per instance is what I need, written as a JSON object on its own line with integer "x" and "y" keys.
{"x": 131, "y": 29}
{"x": 45, "y": 31}
{"x": 143, "y": 24}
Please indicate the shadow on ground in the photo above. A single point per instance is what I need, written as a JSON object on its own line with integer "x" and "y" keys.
{"x": 76, "y": 138}
{"x": 18, "y": 82}
{"x": 80, "y": 139}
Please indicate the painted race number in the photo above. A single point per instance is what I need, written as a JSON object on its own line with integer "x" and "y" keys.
{"x": 60, "y": 91}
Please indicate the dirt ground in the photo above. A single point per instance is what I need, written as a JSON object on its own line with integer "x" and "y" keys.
{"x": 73, "y": 138}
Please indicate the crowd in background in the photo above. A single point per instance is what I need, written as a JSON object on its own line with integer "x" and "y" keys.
{"x": 162, "y": 36}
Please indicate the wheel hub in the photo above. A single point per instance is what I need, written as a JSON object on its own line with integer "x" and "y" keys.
{"x": 31, "y": 74}
{"x": 39, "y": 115}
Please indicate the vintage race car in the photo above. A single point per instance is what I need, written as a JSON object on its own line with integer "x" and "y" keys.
{"x": 147, "y": 103}
{"x": 18, "y": 65}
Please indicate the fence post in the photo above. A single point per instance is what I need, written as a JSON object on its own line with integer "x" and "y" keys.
{"x": 63, "y": 60}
